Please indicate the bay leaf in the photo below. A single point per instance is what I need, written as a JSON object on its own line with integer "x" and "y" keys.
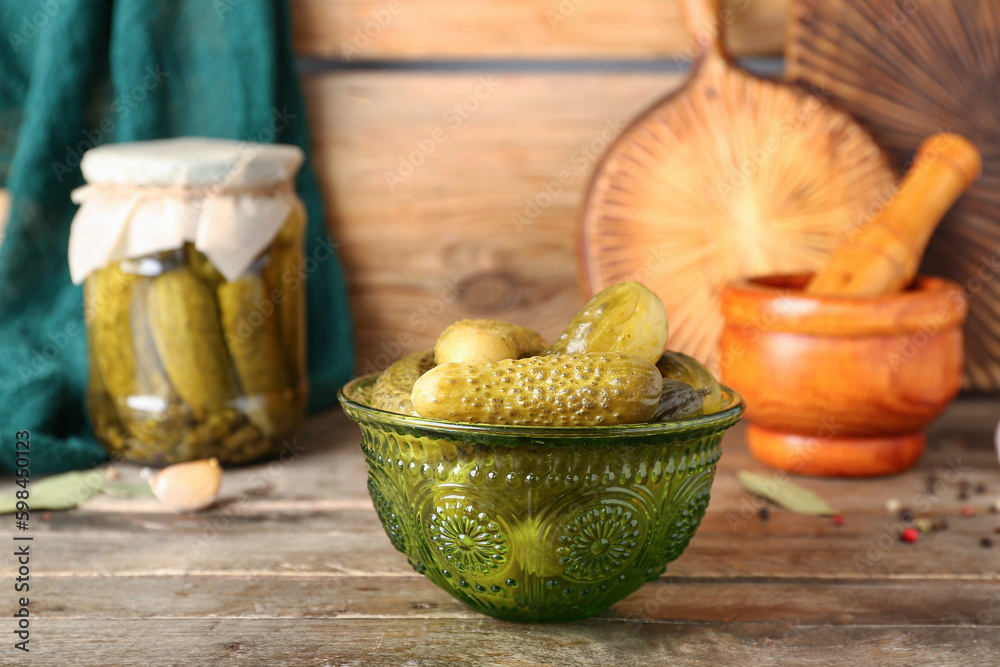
{"x": 57, "y": 492}
{"x": 125, "y": 490}
{"x": 785, "y": 494}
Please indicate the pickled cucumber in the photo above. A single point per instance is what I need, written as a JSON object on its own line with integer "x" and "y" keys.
{"x": 252, "y": 338}
{"x": 184, "y": 321}
{"x": 195, "y": 374}
{"x": 625, "y": 318}
{"x": 100, "y": 406}
{"x": 109, "y": 298}
{"x": 202, "y": 266}
{"x": 486, "y": 340}
{"x": 678, "y": 400}
{"x": 394, "y": 387}
{"x": 282, "y": 279}
{"x": 564, "y": 390}
{"x": 679, "y": 366}
{"x": 151, "y": 379}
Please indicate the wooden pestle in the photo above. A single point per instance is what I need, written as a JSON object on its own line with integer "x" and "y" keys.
{"x": 883, "y": 257}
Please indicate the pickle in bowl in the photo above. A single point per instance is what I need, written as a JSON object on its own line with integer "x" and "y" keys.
{"x": 544, "y": 484}
{"x": 538, "y": 523}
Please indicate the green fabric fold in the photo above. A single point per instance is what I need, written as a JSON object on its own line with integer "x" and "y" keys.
{"x": 78, "y": 73}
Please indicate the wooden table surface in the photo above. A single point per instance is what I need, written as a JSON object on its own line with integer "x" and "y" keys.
{"x": 292, "y": 567}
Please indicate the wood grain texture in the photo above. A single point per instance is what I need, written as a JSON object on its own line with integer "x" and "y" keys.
{"x": 293, "y": 568}
{"x": 456, "y": 195}
{"x": 669, "y": 599}
{"x": 407, "y": 29}
{"x": 487, "y": 643}
{"x": 330, "y": 545}
{"x": 908, "y": 70}
{"x": 319, "y": 506}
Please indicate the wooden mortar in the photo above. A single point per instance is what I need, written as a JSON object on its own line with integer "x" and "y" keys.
{"x": 841, "y": 386}
{"x": 843, "y": 371}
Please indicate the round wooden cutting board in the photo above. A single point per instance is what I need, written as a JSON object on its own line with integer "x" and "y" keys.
{"x": 732, "y": 175}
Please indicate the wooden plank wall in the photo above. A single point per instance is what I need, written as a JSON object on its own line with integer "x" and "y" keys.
{"x": 478, "y": 223}
{"x": 523, "y": 29}
{"x": 455, "y": 139}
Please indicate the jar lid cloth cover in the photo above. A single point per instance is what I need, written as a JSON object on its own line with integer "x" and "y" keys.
{"x": 228, "y": 198}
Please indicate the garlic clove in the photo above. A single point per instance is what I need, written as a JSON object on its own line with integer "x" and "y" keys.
{"x": 189, "y": 486}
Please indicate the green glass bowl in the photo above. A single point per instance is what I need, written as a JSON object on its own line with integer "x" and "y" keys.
{"x": 538, "y": 524}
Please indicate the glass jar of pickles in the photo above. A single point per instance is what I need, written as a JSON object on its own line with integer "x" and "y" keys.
{"x": 190, "y": 251}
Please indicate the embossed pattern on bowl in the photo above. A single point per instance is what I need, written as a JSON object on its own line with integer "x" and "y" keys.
{"x": 538, "y": 524}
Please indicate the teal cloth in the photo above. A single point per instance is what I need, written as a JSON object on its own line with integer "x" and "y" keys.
{"x": 76, "y": 73}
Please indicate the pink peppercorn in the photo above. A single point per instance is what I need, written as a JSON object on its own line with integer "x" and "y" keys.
{"x": 910, "y": 534}
{"x": 968, "y": 510}
{"x": 838, "y": 519}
